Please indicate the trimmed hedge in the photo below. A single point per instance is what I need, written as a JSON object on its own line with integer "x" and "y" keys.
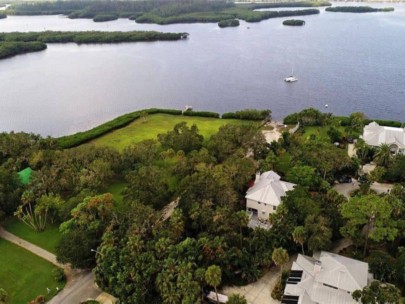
{"x": 386, "y": 123}
{"x": 201, "y": 114}
{"x": 248, "y": 114}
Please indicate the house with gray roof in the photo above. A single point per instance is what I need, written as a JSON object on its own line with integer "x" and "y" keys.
{"x": 265, "y": 195}
{"x": 327, "y": 278}
{"x": 375, "y": 135}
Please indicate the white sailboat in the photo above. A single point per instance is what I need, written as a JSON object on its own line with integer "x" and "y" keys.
{"x": 291, "y": 78}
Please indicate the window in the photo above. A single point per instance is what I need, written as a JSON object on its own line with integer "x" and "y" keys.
{"x": 259, "y": 203}
{"x": 263, "y": 212}
{"x": 274, "y": 207}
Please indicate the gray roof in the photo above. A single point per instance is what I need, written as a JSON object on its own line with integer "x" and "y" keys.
{"x": 329, "y": 280}
{"x": 375, "y": 135}
{"x": 269, "y": 189}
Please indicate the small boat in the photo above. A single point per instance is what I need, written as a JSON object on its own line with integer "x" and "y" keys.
{"x": 291, "y": 78}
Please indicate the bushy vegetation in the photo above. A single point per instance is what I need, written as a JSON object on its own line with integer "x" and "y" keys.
{"x": 88, "y": 37}
{"x": 293, "y": 22}
{"x": 288, "y": 4}
{"x": 358, "y": 9}
{"x": 248, "y": 114}
{"x": 163, "y": 12}
{"x": 16, "y": 43}
{"x": 12, "y": 48}
{"x": 105, "y": 17}
{"x": 201, "y": 114}
{"x": 3, "y": 15}
{"x": 228, "y": 23}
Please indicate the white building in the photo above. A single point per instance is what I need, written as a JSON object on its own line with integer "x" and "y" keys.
{"x": 375, "y": 135}
{"x": 327, "y": 279}
{"x": 265, "y": 195}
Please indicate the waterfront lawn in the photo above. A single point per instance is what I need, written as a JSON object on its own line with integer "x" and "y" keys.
{"x": 47, "y": 239}
{"x": 155, "y": 124}
{"x": 24, "y": 275}
{"x": 321, "y": 133}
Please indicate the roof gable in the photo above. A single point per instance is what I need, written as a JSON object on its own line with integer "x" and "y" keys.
{"x": 269, "y": 189}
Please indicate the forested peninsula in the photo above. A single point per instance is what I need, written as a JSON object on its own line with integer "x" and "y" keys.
{"x": 358, "y": 9}
{"x": 15, "y": 43}
{"x": 163, "y": 12}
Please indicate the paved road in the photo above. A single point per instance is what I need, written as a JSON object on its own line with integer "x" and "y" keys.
{"x": 80, "y": 288}
{"x": 80, "y": 284}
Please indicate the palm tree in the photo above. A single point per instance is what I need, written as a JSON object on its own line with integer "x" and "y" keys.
{"x": 280, "y": 257}
{"x": 383, "y": 155}
{"x": 213, "y": 277}
{"x": 299, "y": 236}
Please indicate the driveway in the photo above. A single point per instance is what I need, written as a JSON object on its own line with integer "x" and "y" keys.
{"x": 346, "y": 188}
{"x": 259, "y": 292}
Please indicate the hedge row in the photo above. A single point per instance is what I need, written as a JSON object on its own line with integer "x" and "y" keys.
{"x": 201, "y": 114}
{"x": 248, "y": 114}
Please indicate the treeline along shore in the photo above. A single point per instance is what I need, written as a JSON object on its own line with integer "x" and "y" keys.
{"x": 163, "y": 12}
{"x": 15, "y": 43}
{"x": 358, "y": 9}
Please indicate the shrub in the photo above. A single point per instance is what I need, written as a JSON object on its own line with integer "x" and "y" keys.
{"x": 105, "y": 17}
{"x": 3, "y": 15}
{"x": 249, "y": 114}
{"x": 228, "y": 23}
{"x": 59, "y": 275}
{"x": 291, "y": 119}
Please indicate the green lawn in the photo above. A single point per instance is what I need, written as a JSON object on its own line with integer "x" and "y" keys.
{"x": 116, "y": 190}
{"x": 47, "y": 239}
{"x": 156, "y": 124}
{"x": 24, "y": 275}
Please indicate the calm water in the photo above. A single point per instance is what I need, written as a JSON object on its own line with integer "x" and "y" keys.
{"x": 352, "y": 62}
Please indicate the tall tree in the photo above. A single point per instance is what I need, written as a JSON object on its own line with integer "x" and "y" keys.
{"x": 280, "y": 258}
{"x": 213, "y": 278}
{"x": 383, "y": 155}
{"x": 378, "y": 293}
{"x": 371, "y": 214}
{"x": 319, "y": 232}
{"x": 299, "y": 236}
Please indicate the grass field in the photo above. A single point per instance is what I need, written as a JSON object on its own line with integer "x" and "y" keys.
{"x": 24, "y": 275}
{"x": 47, "y": 239}
{"x": 156, "y": 124}
{"x": 116, "y": 190}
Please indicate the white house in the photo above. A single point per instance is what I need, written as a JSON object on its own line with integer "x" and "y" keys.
{"x": 375, "y": 135}
{"x": 327, "y": 279}
{"x": 265, "y": 195}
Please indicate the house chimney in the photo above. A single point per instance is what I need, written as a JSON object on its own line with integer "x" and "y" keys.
{"x": 257, "y": 176}
{"x": 317, "y": 266}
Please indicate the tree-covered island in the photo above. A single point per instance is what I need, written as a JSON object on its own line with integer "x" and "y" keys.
{"x": 358, "y": 9}
{"x": 15, "y": 43}
{"x": 293, "y": 22}
{"x": 164, "y": 12}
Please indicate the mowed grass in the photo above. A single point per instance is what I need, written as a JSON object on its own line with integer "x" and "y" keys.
{"x": 24, "y": 275}
{"x": 116, "y": 190}
{"x": 156, "y": 124}
{"x": 47, "y": 239}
